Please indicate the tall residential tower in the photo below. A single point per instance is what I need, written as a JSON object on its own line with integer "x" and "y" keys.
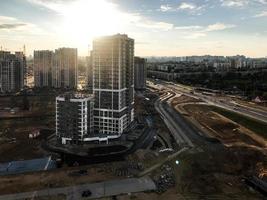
{"x": 139, "y": 73}
{"x": 12, "y": 71}
{"x": 89, "y": 74}
{"x": 65, "y": 70}
{"x": 113, "y": 83}
{"x": 57, "y": 69}
{"x": 43, "y": 64}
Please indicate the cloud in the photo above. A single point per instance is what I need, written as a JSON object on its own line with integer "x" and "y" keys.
{"x": 261, "y": 14}
{"x": 4, "y": 19}
{"x": 218, "y": 27}
{"x": 194, "y": 32}
{"x": 11, "y": 23}
{"x": 261, "y": 1}
{"x": 184, "y": 6}
{"x": 165, "y": 8}
{"x": 187, "y": 6}
{"x": 11, "y": 26}
{"x": 138, "y": 20}
{"x": 55, "y": 5}
{"x": 198, "y": 31}
{"x": 163, "y": 26}
{"x": 234, "y": 3}
{"x": 195, "y": 35}
{"x": 188, "y": 27}
{"x": 191, "y": 8}
{"x": 212, "y": 27}
{"x": 125, "y": 19}
{"x": 241, "y": 3}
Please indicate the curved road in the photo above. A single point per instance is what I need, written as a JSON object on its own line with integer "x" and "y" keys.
{"x": 257, "y": 114}
{"x": 175, "y": 126}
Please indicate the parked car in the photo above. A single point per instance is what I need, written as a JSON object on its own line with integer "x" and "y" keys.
{"x": 86, "y": 193}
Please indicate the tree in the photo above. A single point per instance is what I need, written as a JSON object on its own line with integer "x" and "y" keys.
{"x": 12, "y": 101}
{"x": 26, "y": 104}
{"x": 264, "y": 95}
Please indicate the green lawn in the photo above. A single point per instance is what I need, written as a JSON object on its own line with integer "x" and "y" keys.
{"x": 252, "y": 124}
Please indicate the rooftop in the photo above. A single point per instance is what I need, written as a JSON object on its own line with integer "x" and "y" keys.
{"x": 124, "y": 36}
{"x": 73, "y": 95}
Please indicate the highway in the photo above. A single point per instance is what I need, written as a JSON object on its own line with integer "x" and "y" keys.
{"x": 175, "y": 126}
{"x": 254, "y": 113}
{"x": 185, "y": 134}
{"x": 99, "y": 190}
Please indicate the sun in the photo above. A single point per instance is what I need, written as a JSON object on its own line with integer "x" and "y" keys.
{"x": 86, "y": 19}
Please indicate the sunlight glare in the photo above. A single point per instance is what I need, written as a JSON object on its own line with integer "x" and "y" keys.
{"x": 85, "y": 19}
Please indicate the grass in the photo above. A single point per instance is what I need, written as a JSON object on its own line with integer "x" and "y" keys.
{"x": 256, "y": 126}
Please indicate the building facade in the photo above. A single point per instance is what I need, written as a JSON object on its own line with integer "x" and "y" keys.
{"x": 113, "y": 84}
{"x": 139, "y": 73}
{"x": 43, "y": 64}
{"x": 89, "y": 74}
{"x": 65, "y": 69}
{"x": 12, "y": 71}
{"x": 74, "y": 118}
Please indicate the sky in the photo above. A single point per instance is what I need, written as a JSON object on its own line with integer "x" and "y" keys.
{"x": 159, "y": 27}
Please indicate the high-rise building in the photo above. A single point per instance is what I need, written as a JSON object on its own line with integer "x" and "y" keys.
{"x": 139, "y": 73}
{"x": 89, "y": 74}
{"x": 43, "y": 64}
{"x": 65, "y": 68}
{"x": 74, "y": 118}
{"x": 12, "y": 71}
{"x": 113, "y": 85}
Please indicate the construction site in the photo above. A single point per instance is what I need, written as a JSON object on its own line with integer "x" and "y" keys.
{"x": 224, "y": 155}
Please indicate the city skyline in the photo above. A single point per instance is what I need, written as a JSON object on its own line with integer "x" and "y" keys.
{"x": 160, "y": 28}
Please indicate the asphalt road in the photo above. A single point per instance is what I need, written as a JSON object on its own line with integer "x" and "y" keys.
{"x": 254, "y": 113}
{"x": 99, "y": 190}
{"x": 185, "y": 134}
{"x": 174, "y": 125}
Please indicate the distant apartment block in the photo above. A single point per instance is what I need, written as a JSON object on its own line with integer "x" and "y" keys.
{"x": 57, "y": 69}
{"x": 12, "y": 71}
{"x": 43, "y": 64}
{"x": 74, "y": 117}
{"x": 161, "y": 75}
{"x": 223, "y": 66}
{"x": 139, "y": 73}
{"x": 65, "y": 71}
{"x": 113, "y": 84}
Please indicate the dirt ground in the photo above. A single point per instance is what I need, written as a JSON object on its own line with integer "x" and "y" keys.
{"x": 222, "y": 128}
{"x": 260, "y": 106}
{"x": 216, "y": 125}
{"x": 221, "y": 171}
{"x": 15, "y": 142}
{"x": 205, "y": 175}
{"x": 183, "y": 99}
{"x": 55, "y": 178}
{"x": 34, "y": 103}
{"x": 214, "y": 174}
